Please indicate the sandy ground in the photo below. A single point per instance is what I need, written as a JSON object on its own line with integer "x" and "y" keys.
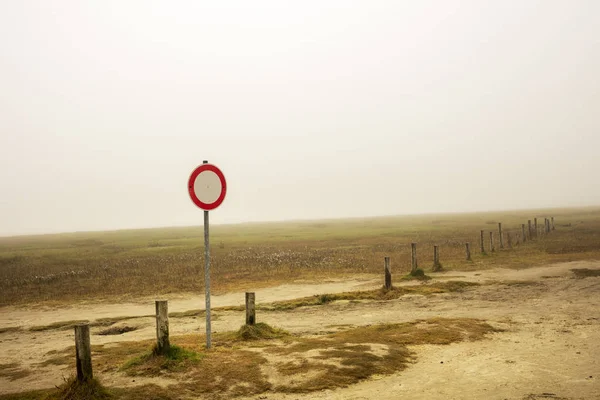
{"x": 550, "y": 348}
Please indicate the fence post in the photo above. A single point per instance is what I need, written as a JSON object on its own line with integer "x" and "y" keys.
{"x": 162, "y": 327}
{"x": 492, "y": 249}
{"x": 83, "y": 353}
{"x": 468, "y": 251}
{"x": 523, "y": 233}
{"x": 387, "y": 271}
{"x": 250, "y": 308}
{"x": 481, "y": 244}
{"x": 530, "y": 229}
{"x": 548, "y": 225}
{"x": 508, "y": 240}
{"x": 414, "y": 265}
{"x": 500, "y": 235}
{"x": 436, "y": 259}
{"x": 552, "y": 221}
{"x": 535, "y": 227}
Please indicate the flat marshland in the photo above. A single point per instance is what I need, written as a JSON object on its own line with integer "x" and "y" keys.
{"x": 153, "y": 262}
{"x": 520, "y": 322}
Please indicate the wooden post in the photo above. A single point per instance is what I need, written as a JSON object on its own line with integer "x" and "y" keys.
{"x": 535, "y": 227}
{"x": 468, "y": 251}
{"x": 508, "y": 240}
{"x": 552, "y": 221}
{"x": 482, "y": 245}
{"x": 83, "y": 353}
{"x": 162, "y": 327}
{"x": 250, "y": 308}
{"x": 388, "y": 273}
{"x": 436, "y": 259}
{"x": 530, "y": 229}
{"x": 523, "y": 233}
{"x": 492, "y": 249}
{"x": 547, "y": 225}
{"x": 414, "y": 265}
{"x": 500, "y": 235}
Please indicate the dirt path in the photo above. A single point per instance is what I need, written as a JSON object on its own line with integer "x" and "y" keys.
{"x": 26, "y": 317}
{"x": 550, "y": 347}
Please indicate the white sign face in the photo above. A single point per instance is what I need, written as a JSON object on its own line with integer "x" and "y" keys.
{"x": 207, "y": 187}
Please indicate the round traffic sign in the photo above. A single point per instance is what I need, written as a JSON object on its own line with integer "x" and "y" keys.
{"x": 207, "y": 187}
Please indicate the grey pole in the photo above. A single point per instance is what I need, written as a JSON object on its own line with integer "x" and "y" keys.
{"x": 207, "y": 275}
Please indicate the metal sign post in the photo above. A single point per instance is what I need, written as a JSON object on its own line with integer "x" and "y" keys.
{"x": 207, "y": 278}
{"x": 207, "y": 189}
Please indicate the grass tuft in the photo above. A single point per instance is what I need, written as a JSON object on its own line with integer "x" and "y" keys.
{"x": 417, "y": 274}
{"x": 72, "y": 389}
{"x": 150, "y": 363}
{"x": 260, "y": 331}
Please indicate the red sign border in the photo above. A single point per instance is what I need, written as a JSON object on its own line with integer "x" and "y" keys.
{"x": 194, "y": 175}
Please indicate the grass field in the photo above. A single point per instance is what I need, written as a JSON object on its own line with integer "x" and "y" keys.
{"x": 124, "y": 264}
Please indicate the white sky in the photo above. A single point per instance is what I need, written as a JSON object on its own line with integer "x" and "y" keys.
{"x": 311, "y": 108}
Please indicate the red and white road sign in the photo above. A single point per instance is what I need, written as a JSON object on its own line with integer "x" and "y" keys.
{"x": 207, "y": 187}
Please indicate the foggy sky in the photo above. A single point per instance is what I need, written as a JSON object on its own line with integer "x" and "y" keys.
{"x": 312, "y": 109}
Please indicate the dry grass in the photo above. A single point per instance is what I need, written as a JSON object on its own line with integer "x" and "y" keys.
{"x": 260, "y": 331}
{"x": 60, "y": 325}
{"x": 376, "y": 295}
{"x": 9, "y": 329}
{"x": 585, "y": 272}
{"x": 344, "y": 358}
{"x": 117, "y": 330}
{"x": 260, "y": 359}
{"x": 154, "y": 262}
{"x": 66, "y": 325}
{"x": 72, "y": 389}
{"x": 316, "y": 300}
{"x": 13, "y": 371}
{"x": 152, "y": 364}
